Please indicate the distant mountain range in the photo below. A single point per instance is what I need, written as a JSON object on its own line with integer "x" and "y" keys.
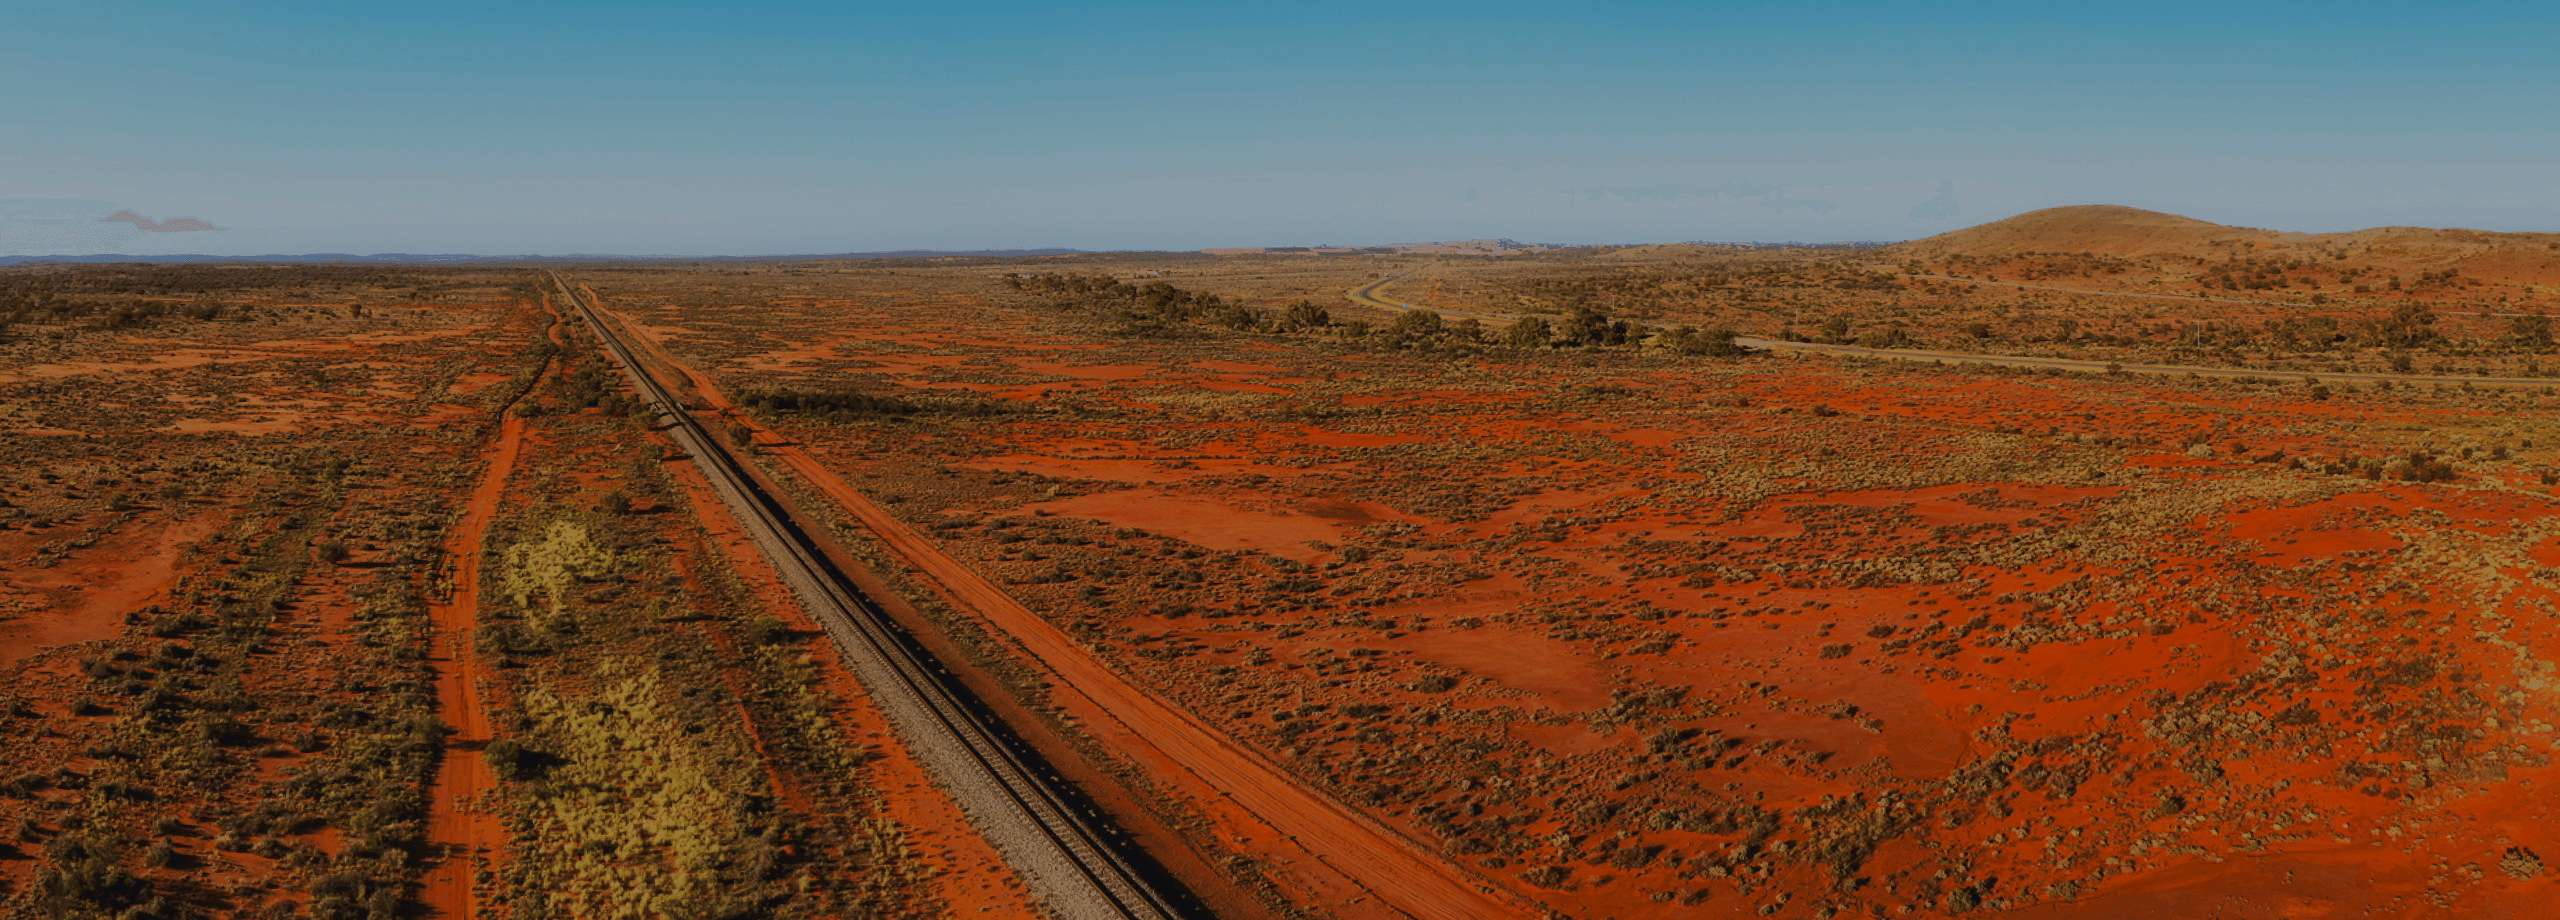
{"x": 404, "y": 257}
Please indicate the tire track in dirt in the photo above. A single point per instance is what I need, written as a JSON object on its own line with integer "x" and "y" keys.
{"x": 1353, "y": 864}
{"x": 456, "y": 827}
{"x": 458, "y": 830}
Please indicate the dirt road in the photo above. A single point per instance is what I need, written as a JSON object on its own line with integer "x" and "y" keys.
{"x": 457, "y": 830}
{"x": 459, "y": 833}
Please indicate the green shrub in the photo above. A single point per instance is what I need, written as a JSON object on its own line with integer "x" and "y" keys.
{"x": 765, "y": 630}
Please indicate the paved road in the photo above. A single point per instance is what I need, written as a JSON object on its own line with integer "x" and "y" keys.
{"x": 1373, "y": 294}
{"x": 2181, "y": 370}
{"x": 1368, "y": 295}
{"x": 1063, "y": 852}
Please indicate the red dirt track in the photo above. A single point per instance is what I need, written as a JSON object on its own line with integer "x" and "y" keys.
{"x": 266, "y": 648}
{"x": 456, "y": 825}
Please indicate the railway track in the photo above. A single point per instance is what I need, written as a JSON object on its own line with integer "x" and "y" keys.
{"x": 1075, "y": 862}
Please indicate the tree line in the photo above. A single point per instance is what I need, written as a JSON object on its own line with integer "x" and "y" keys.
{"x": 1158, "y": 309}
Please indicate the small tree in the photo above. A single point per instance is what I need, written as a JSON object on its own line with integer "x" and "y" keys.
{"x": 1528, "y": 332}
{"x": 2408, "y": 325}
{"x": 1587, "y": 326}
{"x": 1415, "y": 324}
{"x": 766, "y": 631}
{"x": 510, "y": 760}
{"x": 2532, "y": 331}
{"x": 1305, "y": 315}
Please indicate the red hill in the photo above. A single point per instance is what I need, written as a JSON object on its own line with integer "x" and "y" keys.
{"x": 2120, "y": 247}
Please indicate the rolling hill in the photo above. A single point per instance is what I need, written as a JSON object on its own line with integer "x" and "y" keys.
{"x": 2110, "y": 247}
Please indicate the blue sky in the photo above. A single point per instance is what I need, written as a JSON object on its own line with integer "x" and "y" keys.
{"x": 644, "y": 128}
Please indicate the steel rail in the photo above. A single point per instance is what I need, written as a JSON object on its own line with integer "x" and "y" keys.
{"x": 1064, "y": 851}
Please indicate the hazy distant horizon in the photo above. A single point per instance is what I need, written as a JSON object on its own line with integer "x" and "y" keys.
{"x": 1028, "y": 251}
{"x": 787, "y": 130}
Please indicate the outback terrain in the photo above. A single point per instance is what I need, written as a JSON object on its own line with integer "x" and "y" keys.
{"x": 1510, "y": 587}
{"x": 353, "y": 592}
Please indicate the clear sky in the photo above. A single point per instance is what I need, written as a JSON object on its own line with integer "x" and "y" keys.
{"x": 733, "y": 129}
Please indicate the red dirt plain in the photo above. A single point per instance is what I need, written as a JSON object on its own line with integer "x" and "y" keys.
{"x": 1626, "y": 634}
{"x": 213, "y": 668}
{"x": 1447, "y": 630}
{"x": 262, "y": 532}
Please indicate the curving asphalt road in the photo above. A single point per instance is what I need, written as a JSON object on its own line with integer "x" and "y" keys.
{"x": 1370, "y": 295}
{"x": 1367, "y": 294}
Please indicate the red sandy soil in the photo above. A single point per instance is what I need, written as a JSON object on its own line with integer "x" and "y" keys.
{"x": 458, "y": 823}
{"x": 182, "y": 358}
{"x": 73, "y": 603}
{"x": 1212, "y": 524}
{"x": 1956, "y": 641}
{"x": 186, "y": 559}
{"x": 459, "y": 820}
